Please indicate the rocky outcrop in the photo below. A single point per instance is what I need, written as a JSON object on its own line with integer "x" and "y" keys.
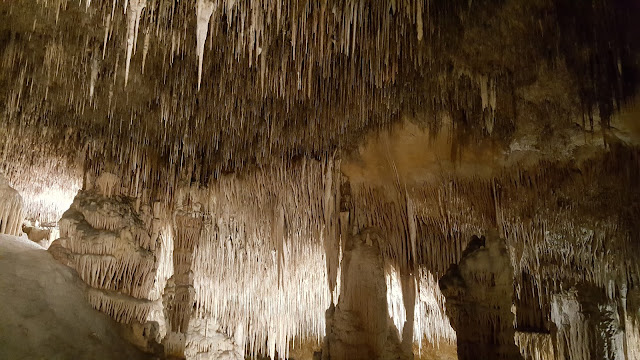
{"x": 110, "y": 247}
{"x": 479, "y": 293}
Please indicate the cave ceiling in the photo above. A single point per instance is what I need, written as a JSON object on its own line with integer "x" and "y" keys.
{"x": 176, "y": 90}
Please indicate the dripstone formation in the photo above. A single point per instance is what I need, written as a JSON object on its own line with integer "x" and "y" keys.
{"x": 333, "y": 179}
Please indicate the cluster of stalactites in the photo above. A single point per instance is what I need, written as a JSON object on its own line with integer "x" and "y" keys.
{"x": 535, "y": 346}
{"x": 11, "y": 209}
{"x": 425, "y": 226}
{"x": 556, "y": 242}
{"x": 123, "y": 309}
{"x": 117, "y": 250}
{"x": 314, "y": 41}
{"x": 315, "y": 32}
{"x": 277, "y": 78}
{"x": 560, "y": 234}
{"x": 35, "y": 169}
{"x": 256, "y": 226}
{"x": 552, "y": 219}
{"x": 265, "y": 223}
{"x": 430, "y": 322}
{"x": 259, "y": 267}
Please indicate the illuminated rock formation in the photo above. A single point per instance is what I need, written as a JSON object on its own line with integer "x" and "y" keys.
{"x": 111, "y": 248}
{"x": 359, "y": 327}
{"x": 11, "y": 209}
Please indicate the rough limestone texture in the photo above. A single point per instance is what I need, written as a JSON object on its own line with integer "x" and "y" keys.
{"x": 109, "y": 248}
{"x": 359, "y": 327}
{"x": 479, "y": 293}
{"x": 588, "y": 325}
{"x": 11, "y": 212}
{"x": 47, "y": 315}
{"x": 110, "y": 243}
{"x": 138, "y": 264}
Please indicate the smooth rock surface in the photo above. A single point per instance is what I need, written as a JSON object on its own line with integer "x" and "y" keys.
{"x": 43, "y": 311}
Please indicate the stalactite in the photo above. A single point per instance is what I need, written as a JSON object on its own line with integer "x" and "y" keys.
{"x": 134, "y": 11}
{"x": 204, "y": 10}
{"x": 535, "y": 346}
{"x": 122, "y": 309}
{"x": 268, "y": 230}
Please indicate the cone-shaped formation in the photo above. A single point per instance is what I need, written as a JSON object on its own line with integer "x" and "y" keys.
{"x": 359, "y": 326}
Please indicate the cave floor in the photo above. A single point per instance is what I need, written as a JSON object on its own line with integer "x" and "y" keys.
{"x": 43, "y": 313}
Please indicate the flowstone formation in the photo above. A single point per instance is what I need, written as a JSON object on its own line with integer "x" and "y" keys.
{"x": 105, "y": 239}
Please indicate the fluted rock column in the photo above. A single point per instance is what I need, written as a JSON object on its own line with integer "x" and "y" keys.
{"x": 359, "y": 327}
{"x": 180, "y": 294}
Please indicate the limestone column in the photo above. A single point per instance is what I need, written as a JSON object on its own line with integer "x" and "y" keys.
{"x": 179, "y": 295}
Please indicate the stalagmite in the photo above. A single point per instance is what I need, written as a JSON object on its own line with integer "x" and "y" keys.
{"x": 358, "y": 327}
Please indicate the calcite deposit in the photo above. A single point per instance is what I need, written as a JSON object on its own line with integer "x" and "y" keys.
{"x": 333, "y": 179}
